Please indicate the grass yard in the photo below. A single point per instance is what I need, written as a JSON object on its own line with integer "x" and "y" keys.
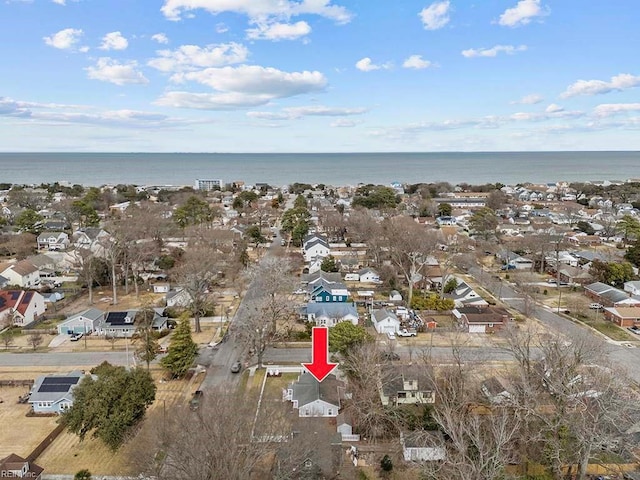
{"x": 20, "y": 434}
{"x": 610, "y": 330}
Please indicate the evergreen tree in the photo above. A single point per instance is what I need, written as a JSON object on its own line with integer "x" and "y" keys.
{"x": 147, "y": 345}
{"x": 83, "y": 474}
{"x": 345, "y": 335}
{"x": 182, "y": 349}
{"x": 111, "y": 404}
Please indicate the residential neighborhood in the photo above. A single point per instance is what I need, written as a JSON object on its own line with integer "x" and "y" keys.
{"x": 444, "y": 306}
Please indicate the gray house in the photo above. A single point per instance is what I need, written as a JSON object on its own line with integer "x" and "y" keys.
{"x": 315, "y": 399}
{"x": 83, "y": 322}
{"x": 54, "y": 393}
{"x": 123, "y": 324}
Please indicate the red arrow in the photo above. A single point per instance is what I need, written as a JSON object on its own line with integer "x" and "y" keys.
{"x": 319, "y": 366}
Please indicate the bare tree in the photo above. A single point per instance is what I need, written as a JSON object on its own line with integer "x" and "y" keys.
{"x": 197, "y": 273}
{"x": 35, "y": 339}
{"x": 83, "y": 262}
{"x": 215, "y": 441}
{"x": 410, "y": 248}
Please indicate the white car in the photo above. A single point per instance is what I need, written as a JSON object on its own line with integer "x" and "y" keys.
{"x": 407, "y": 333}
{"x": 596, "y": 306}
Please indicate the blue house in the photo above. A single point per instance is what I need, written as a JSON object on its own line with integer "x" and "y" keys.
{"x": 329, "y": 292}
{"x": 54, "y": 393}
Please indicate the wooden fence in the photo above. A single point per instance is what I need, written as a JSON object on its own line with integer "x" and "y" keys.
{"x": 33, "y": 456}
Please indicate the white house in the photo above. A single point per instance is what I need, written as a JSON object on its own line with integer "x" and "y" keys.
{"x": 53, "y": 241}
{"x": 330, "y": 314}
{"x": 21, "y": 307}
{"x": 315, "y": 246}
{"x": 178, "y": 298}
{"x": 23, "y": 274}
{"x": 367, "y": 275}
{"x": 395, "y": 296}
{"x": 315, "y": 399}
{"x": 385, "y": 321}
{"x": 161, "y": 288}
{"x": 84, "y": 322}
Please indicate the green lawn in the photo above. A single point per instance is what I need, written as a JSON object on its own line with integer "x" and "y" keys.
{"x": 609, "y": 329}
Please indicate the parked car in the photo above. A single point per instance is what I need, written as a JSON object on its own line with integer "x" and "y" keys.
{"x": 76, "y": 336}
{"x": 407, "y": 333}
{"x": 389, "y": 356}
{"x": 634, "y": 329}
{"x": 595, "y": 306}
{"x": 195, "y": 400}
{"x": 508, "y": 267}
{"x": 236, "y": 367}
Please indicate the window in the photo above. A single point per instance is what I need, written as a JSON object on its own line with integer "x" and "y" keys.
{"x": 330, "y": 412}
{"x": 402, "y": 394}
{"x": 334, "y": 298}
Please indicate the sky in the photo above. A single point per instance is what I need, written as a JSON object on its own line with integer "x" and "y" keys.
{"x": 319, "y": 75}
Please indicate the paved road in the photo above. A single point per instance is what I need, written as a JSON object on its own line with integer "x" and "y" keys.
{"x": 79, "y": 359}
{"x": 219, "y": 360}
{"x": 621, "y": 355}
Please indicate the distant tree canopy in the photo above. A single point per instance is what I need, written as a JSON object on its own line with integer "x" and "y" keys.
{"x": 300, "y": 202}
{"x": 194, "y": 211}
{"x": 296, "y": 222}
{"x": 375, "y": 196}
{"x": 585, "y": 227}
{"x": 612, "y": 273}
{"x": 255, "y": 235}
{"x": 298, "y": 188}
{"x": 484, "y": 223}
{"x": 633, "y": 254}
{"x": 445, "y": 209}
{"x": 29, "y": 221}
{"x": 109, "y": 406}
{"x": 431, "y": 302}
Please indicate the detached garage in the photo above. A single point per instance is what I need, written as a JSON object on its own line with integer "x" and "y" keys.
{"x": 83, "y": 322}
{"x": 385, "y": 321}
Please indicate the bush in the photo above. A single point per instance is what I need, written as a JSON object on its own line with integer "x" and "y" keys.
{"x": 386, "y": 464}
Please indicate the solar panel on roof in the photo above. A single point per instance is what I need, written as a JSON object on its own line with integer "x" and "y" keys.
{"x": 60, "y": 380}
{"x": 15, "y": 295}
{"x": 56, "y": 388}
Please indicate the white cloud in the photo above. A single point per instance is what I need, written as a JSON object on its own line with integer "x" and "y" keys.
{"x": 60, "y": 2}
{"x": 416, "y": 62}
{"x": 192, "y": 57}
{"x": 242, "y": 86}
{"x": 292, "y": 113}
{"x": 279, "y": 31}
{"x": 160, "y": 38}
{"x": 221, "y": 28}
{"x": 598, "y": 87}
{"x": 114, "y": 41}
{"x": 532, "y": 99}
{"x": 112, "y": 71}
{"x": 493, "y": 51}
{"x": 610, "y": 109}
{"x": 343, "y": 123}
{"x": 522, "y": 13}
{"x": 436, "y": 15}
{"x": 65, "y": 39}
{"x": 259, "y": 10}
{"x": 554, "y": 108}
{"x": 366, "y": 65}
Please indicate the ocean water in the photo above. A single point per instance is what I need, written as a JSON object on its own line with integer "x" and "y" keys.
{"x": 329, "y": 168}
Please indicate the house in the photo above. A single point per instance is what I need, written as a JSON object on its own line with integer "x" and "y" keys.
{"x": 23, "y": 274}
{"x": 84, "y": 322}
{"x": 21, "y": 307}
{"x": 623, "y": 316}
{"x": 178, "y": 298}
{"x": 315, "y": 264}
{"x": 315, "y": 277}
{"x": 315, "y": 399}
{"x": 609, "y": 296}
{"x": 422, "y": 446}
{"x": 465, "y": 296}
{"x": 394, "y": 296}
{"x": 405, "y": 385}
{"x": 53, "y": 241}
{"x": 54, "y": 393}
{"x": 315, "y": 246}
{"x": 14, "y": 466}
{"x": 90, "y": 238}
{"x": 385, "y": 321}
{"x": 53, "y": 297}
{"x": 368, "y": 275}
{"x": 574, "y": 275}
{"x": 330, "y": 314}
{"x": 123, "y": 324}
{"x": 495, "y": 391}
{"x": 632, "y": 288}
{"x": 481, "y": 320}
{"x": 324, "y": 292}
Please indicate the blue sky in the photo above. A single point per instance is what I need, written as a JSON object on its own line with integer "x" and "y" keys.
{"x": 319, "y": 75}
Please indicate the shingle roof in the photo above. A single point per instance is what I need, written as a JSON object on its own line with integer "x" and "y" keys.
{"x": 307, "y": 390}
